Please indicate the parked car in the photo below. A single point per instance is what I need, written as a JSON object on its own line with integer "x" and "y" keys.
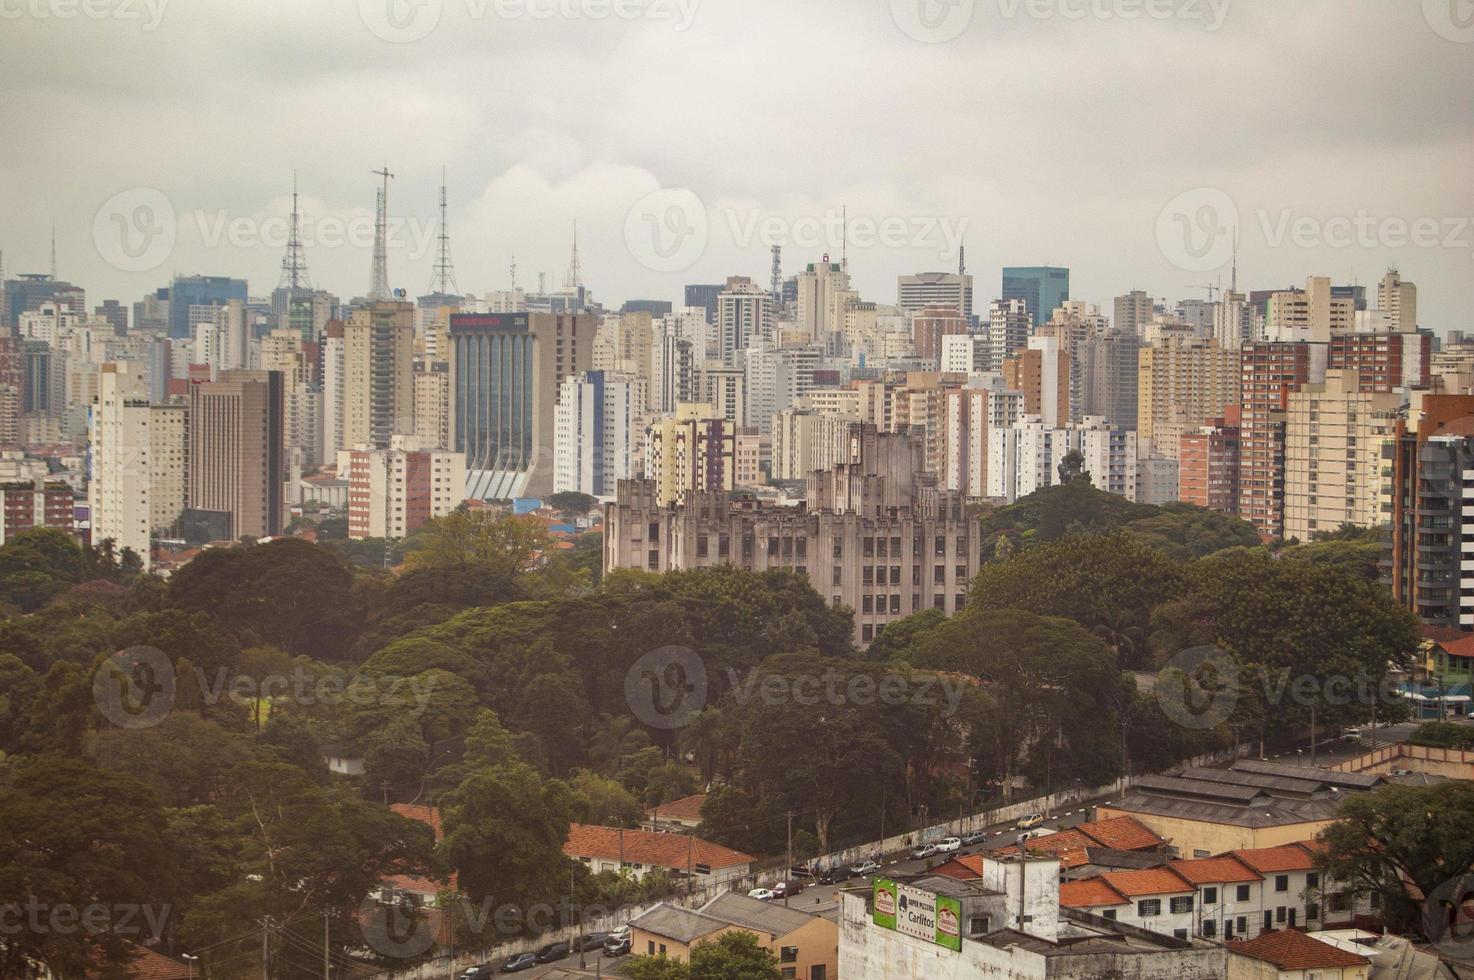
{"x": 520, "y": 962}
{"x": 551, "y": 952}
{"x": 864, "y": 868}
{"x": 617, "y": 947}
{"x": 763, "y": 894}
{"x": 832, "y": 876}
{"x": 976, "y": 837}
{"x": 949, "y": 844}
{"x": 922, "y": 851}
{"x": 619, "y": 935}
{"x": 787, "y": 889}
{"x": 481, "y": 971}
{"x": 1352, "y": 734}
{"x": 589, "y": 940}
{"x": 802, "y": 871}
{"x": 1030, "y": 822}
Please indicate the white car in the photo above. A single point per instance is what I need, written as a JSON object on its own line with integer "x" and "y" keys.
{"x": 948, "y": 844}
{"x": 864, "y": 868}
{"x": 923, "y": 851}
{"x": 762, "y": 894}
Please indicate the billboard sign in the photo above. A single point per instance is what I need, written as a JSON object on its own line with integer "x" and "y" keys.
{"x": 917, "y": 913}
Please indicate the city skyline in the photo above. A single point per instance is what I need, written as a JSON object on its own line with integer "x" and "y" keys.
{"x": 1107, "y": 193}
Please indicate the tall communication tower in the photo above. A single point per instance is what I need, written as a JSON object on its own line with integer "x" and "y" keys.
{"x": 574, "y": 273}
{"x": 379, "y": 281}
{"x": 294, "y": 262}
{"x": 444, "y": 281}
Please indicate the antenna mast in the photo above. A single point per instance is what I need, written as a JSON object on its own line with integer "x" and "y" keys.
{"x": 573, "y": 270}
{"x": 379, "y": 283}
{"x": 444, "y": 281}
{"x": 294, "y": 263}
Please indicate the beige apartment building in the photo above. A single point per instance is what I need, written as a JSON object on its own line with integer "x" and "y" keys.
{"x": 1333, "y": 454}
{"x": 378, "y": 373}
{"x": 1311, "y": 314}
{"x": 236, "y": 452}
{"x": 693, "y": 450}
{"x": 805, "y": 440}
{"x": 432, "y": 405}
{"x": 1183, "y": 383}
{"x": 875, "y": 533}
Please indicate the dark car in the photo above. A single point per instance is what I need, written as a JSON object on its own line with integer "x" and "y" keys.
{"x": 589, "y": 940}
{"x": 522, "y": 961}
{"x": 801, "y": 871}
{"x": 787, "y": 889}
{"x": 617, "y": 947}
{"x": 551, "y": 952}
{"x": 832, "y": 876}
{"x": 482, "y": 971}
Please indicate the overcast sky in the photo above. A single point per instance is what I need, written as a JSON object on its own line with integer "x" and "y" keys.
{"x": 685, "y": 136}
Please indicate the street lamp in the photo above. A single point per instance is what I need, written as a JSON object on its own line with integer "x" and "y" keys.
{"x": 191, "y": 961}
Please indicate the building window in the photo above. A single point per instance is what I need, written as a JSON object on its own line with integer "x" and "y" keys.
{"x": 1182, "y": 903}
{"x": 867, "y": 575}
{"x": 1312, "y": 911}
{"x": 895, "y": 575}
{"x": 700, "y": 546}
{"x": 941, "y": 546}
{"x": 880, "y": 548}
{"x": 978, "y": 925}
{"x": 1148, "y": 908}
{"x": 939, "y": 603}
{"x": 867, "y": 604}
{"x": 868, "y": 548}
{"x": 1109, "y": 914}
{"x": 1312, "y": 880}
{"x": 1279, "y": 914}
{"x": 838, "y": 548}
{"x": 939, "y": 574}
{"x": 788, "y": 954}
{"x": 1281, "y": 883}
{"x": 867, "y": 632}
{"x": 1241, "y": 894}
{"x": 1180, "y": 933}
{"x": 895, "y": 604}
{"x": 836, "y": 575}
{"x": 651, "y": 947}
{"x": 1210, "y": 896}
{"x": 1210, "y": 928}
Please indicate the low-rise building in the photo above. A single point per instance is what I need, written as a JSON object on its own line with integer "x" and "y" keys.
{"x": 1289, "y": 954}
{"x": 639, "y": 852}
{"x": 804, "y": 944}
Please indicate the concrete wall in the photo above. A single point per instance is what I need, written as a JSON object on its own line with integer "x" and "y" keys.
{"x": 1453, "y": 763}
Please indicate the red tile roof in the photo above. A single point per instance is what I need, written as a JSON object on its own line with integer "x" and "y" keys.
{"x": 145, "y": 964}
{"x": 1147, "y": 881}
{"x": 1214, "y": 870}
{"x": 1286, "y": 857}
{"x": 1067, "y": 845}
{"x": 1088, "y": 893}
{"x": 966, "y": 867}
{"x": 424, "y": 814}
{"x": 686, "y": 808}
{"x": 1124, "y": 833}
{"x": 1291, "y": 949}
{"x": 649, "y": 848}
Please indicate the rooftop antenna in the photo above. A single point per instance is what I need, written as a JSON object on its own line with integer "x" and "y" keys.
{"x": 961, "y": 260}
{"x": 379, "y": 285}
{"x": 542, "y": 283}
{"x": 444, "y": 281}
{"x": 294, "y": 263}
{"x": 1233, "y": 281}
{"x": 573, "y": 270}
{"x": 514, "y": 275}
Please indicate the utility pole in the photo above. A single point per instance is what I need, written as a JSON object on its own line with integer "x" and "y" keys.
{"x": 1312, "y": 734}
{"x": 788, "y": 861}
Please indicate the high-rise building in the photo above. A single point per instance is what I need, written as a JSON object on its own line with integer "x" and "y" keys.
{"x": 33, "y": 290}
{"x": 1334, "y": 432}
{"x": 378, "y": 374}
{"x": 1183, "y": 382}
{"x": 1133, "y": 312}
{"x": 333, "y": 391}
{"x": 705, "y": 295}
{"x": 1110, "y": 368}
{"x": 1270, "y": 372}
{"x": 41, "y": 503}
{"x": 743, "y": 312}
{"x": 1042, "y": 288}
{"x": 137, "y": 461}
{"x": 930, "y": 324}
{"x": 506, "y": 371}
{"x": 1208, "y": 464}
{"x": 190, "y": 298}
{"x": 432, "y": 404}
{"x": 725, "y": 390}
{"x": 874, "y": 534}
{"x": 392, "y": 492}
{"x": 693, "y": 450}
{"x": 672, "y": 366}
{"x": 598, "y": 430}
{"x": 1432, "y": 457}
{"x": 1008, "y": 330}
{"x": 1311, "y": 315}
{"x": 1027, "y": 456}
{"x": 970, "y": 413}
{"x": 965, "y": 353}
{"x": 1399, "y": 301}
{"x": 237, "y": 457}
{"x": 820, "y": 289}
{"x": 949, "y": 289}
{"x": 1384, "y": 361}
{"x": 806, "y": 439}
{"x": 1042, "y": 373}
